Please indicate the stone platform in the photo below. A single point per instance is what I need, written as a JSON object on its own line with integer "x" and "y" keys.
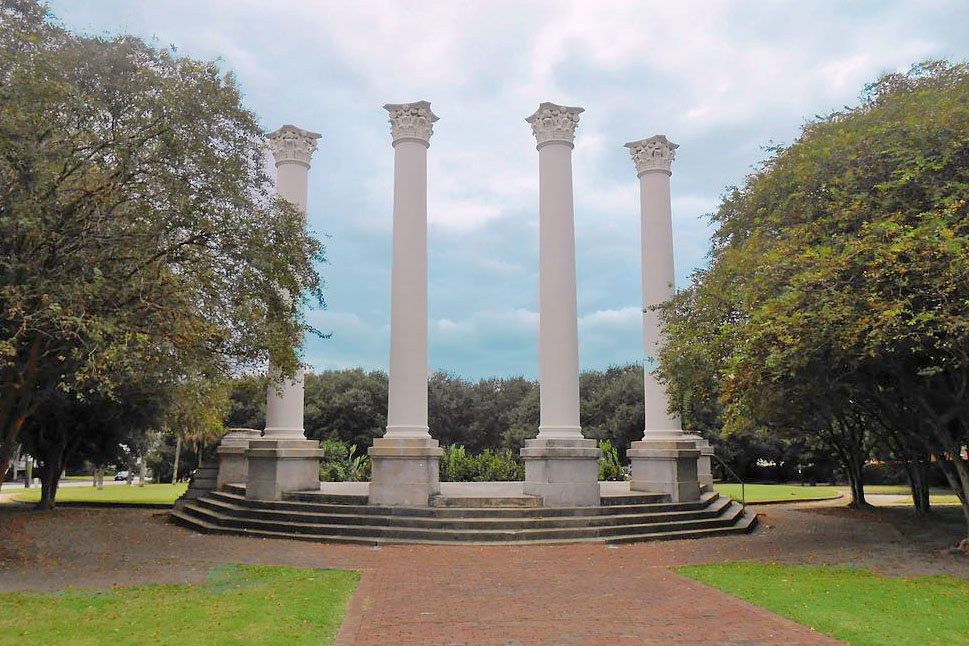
{"x": 464, "y": 512}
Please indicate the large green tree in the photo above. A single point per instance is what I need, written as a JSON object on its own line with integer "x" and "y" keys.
{"x": 837, "y": 300}
{"x": 139, "y": 232}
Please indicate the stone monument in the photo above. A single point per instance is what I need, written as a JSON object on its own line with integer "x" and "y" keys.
{"x": 665, "y": 460}
{"x": 561, "y": 465}
{"x": 404, "y": 461}
{"x": 283, "y": 459}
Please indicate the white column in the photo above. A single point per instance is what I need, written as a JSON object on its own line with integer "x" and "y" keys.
{"x": 653, "y": 158}
{"x": 283, "y": 460}
{"x": 292, "y": 149}
{"x": 558, "y": 337}
{"x": 665, "y": 460}
{"x": 404, "y": 462}
{"x": 411, "y": 128}
{"x": 560, "y": 465}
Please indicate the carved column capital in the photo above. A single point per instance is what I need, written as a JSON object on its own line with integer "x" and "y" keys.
{"x": 553, "y": 123}
{"x": 411, "y": 122}
{"x": 290, "y": 144}
{"x": 655, "y": 154}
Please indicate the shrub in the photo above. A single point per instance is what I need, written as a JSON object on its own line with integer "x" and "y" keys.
{"x": 342, "y": 464}
{"x": 488, "y": 466}
{"x": 610, "y": 466}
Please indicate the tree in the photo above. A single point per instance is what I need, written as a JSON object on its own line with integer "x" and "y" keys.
{"x": 838, "y": 278}
{"x": 139, "y": 232}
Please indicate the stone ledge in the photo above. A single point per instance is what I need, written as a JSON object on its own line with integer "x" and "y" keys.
{"x": 284, "y": 454}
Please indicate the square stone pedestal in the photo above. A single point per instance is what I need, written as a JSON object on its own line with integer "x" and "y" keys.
{"x": 280, "y": 465}
{"x": 564, "y": 472}
{"x": 704, "y": 467}
{"x": 233, "y": 463}
{"x": 405, "y": 471}
{"x": 665, "y": 466}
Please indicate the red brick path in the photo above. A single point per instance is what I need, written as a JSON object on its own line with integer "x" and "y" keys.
{"x": 578, "y": 594}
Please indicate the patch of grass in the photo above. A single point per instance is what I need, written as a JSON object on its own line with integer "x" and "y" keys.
{"x": 775, "y": 493}
{"x": 237, "y": 605}
{"x": 937, "y": 495}
{"x": 150, "y": 494}
{"x": 850, "y": 604}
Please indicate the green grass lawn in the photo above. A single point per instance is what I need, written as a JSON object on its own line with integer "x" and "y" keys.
{"x": 776, "y": 493}
{"x": 150, "y": 494}
{"x": 937, "y": 495}
{"x": 237, "y": 605}
{"x": 850, "y": 604}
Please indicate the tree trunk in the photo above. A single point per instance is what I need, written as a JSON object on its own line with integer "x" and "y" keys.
{"x": 49, "y": 479}
{"x": 178, "y": 455}
{"x": 142, "y": 472}
{"x": 29, "y": 475}
{"x": 919, "y": 484}
{"x": 952, "y": 477}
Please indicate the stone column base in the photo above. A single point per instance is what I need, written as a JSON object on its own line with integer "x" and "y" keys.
{"x": 405, "y": 471}
{"x": 665, "y": 466}
{"x": 564, "y": 472}
{"x": 280, "y": 465}
{"x": 233, "y": 463}
{"x": 704, "y": 467}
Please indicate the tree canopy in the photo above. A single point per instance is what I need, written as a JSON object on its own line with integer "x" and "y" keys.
{"x": 139, "y": 230}
{"x": 836, "y": 303}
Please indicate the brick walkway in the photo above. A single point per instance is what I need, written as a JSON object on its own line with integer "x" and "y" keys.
{"x": 572, "y": 594}
{"x": 575, "y": 594}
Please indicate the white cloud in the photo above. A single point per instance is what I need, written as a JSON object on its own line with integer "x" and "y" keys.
{"x": 722, "y": 78}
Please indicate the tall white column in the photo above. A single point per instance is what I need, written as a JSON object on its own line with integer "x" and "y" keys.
{"x": 405, "y": 459}
{"x": 282, "y": 459}
{"x": 560, "y": 465}
{"x": 292, "y": 149}
{"x": 411, "y": 128}
{"x": 653, "y": 158}
{"x": 665, "y": 460}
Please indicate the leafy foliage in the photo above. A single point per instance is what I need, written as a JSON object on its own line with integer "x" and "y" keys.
{"x": 502, "y": 465}
{"x": 836, "y": 305}
{"x": 342, "y": 463}
{"x": 139, "y": 232}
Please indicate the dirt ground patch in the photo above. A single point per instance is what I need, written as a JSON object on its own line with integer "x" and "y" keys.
{"x": 583, "y": 593}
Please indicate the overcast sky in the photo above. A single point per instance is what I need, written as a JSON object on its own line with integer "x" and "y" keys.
{"x": 722, "y": 79}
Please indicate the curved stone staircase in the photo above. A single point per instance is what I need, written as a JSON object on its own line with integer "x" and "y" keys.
{"x": 313, "y": 516}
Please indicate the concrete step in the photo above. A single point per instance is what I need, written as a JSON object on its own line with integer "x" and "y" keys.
{"x": 218, "y": 505}
{"x": 471, "y": 502}
{"x": 448, "y": 532}
{"x": 230, "y": 495}
{"x": 744, "y": 524}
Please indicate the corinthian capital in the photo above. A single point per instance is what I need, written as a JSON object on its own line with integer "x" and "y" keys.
{"x": 411, "y": 121}
{"x": 290, "y": 144}
{"x": 554, "y": 123}
{"x": 653, "y": 154}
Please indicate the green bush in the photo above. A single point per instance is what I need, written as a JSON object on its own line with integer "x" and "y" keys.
{"x": 488, "y": 466}
{"x": 610, "y": 466}
{"x": 342, "y": 464}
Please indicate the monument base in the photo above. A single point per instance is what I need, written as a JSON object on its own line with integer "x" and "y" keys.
{"x": 405, "y": 471}
{"x": 666, "y": 466}
{"x": 564, "y": 472}
{"x": 280, "y": 465}
{"x": 233, "y": 463}
{"x": 704, "y": 467}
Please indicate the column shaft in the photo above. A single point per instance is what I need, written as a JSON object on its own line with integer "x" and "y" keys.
{"x": 407, "y": 399}
{"x": 658, "y": 287}
{"x": 558, "y": 343}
